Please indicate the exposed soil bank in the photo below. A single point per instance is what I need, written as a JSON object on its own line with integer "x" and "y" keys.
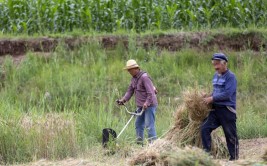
{"x": 173, "y": 42}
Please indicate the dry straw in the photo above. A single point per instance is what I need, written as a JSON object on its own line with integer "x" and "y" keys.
{"x": 185, "y": 132}
{"x": 150, "y": 155}
{"x": 51, "y": 131}
{"x": 188, "y": 120}
{"x": 197, "y": 109}
{"x": 164, "y": 152}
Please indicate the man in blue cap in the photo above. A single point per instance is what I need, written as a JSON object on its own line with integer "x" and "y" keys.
{"x": 223, "y": 100}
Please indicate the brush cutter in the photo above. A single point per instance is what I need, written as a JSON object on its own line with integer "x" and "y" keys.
{"x": 109, "y": 134}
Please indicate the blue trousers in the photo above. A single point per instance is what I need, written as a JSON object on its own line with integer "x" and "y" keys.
{"x": 146, "y": 120}
{"x": 221, "y": 116}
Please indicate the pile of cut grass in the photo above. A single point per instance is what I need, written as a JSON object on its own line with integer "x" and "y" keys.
{"x": 188, "y": 120}
{"x": 164, "y": 152}
{"x": 181, "y": 145}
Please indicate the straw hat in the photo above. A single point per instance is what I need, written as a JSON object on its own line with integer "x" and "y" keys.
{"x": 130, "y": 64}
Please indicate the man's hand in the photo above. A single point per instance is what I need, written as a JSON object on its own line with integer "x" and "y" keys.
{"x": 208, "y": 100}
{"x": 155, "y": 90}
{"x": 120, "y": 101}
{"x": 145, "y": 106}
{"x": 205, "y": 95}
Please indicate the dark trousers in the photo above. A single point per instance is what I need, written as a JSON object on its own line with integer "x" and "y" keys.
{"x": 221, "y": 116}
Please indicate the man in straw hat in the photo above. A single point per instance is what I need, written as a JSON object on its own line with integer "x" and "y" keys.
{"x": 145, "y": 98}
{"x": 223, "y": 99}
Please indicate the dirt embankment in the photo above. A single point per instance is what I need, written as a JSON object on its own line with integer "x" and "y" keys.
{"x": 173, "y": 42}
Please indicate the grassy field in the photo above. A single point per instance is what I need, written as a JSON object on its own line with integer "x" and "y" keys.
{"x": 56, "y": 106}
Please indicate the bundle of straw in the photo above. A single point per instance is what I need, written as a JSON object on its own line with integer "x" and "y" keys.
{"x": 163, "y": 152}
{"x": 184, "y": 132}
{"x": 188, "y": 120}
{"x": 150, "y": 155}
{"x": 180, "y": 121}
{"x": 187, "y": 157}
{"x": 197, "y": 109}
{"x": 181, "y": 117}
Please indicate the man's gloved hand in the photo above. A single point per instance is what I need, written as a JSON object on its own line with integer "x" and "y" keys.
{"x": 120, "y": 101}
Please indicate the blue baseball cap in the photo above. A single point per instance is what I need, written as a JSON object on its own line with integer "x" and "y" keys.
{"x": 219, "y": 56}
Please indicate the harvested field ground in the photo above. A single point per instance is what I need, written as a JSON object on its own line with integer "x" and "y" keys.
{"x": 251, "y": 151}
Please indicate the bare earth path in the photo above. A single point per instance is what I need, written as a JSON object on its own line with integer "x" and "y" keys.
{"x": 251, "y": 151}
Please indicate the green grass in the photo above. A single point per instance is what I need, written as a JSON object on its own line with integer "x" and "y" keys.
{"x": 56, "y": 107}
{"x": 225, "y": 30}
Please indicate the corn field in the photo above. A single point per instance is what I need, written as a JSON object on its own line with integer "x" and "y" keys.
{"x": 53, "y": 16}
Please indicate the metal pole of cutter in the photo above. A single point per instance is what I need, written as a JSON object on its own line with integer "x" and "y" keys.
{"x": 126, "y": 125}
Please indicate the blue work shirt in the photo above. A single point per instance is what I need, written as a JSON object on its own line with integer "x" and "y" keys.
{"x": 224, "y": 89}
